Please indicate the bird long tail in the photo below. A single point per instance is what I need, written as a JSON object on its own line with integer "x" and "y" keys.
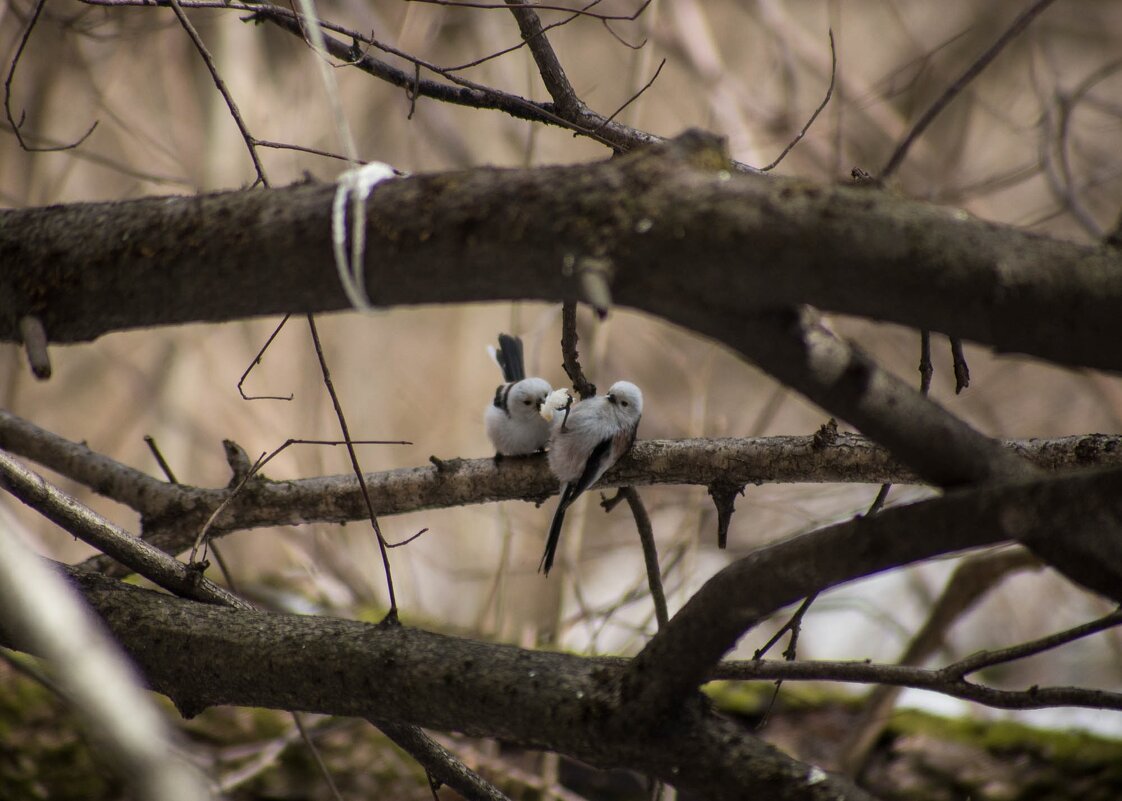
{"x": 510, "y": 358}
{"x": 555, "y": 531}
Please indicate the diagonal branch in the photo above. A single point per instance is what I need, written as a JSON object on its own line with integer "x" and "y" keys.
{"x": 549, "y": 66}
{"x": 682, "y": 654}
{"x": 951, "y": 92}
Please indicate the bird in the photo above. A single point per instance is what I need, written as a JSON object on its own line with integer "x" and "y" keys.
{"x": 591, "y": 437}
{"x": 513, "y": 420}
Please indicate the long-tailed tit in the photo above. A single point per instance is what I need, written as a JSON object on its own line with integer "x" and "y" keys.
{"x": 586, "y": 441}
{"x": 512, "y": 420}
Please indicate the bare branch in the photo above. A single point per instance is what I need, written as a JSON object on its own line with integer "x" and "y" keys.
{"x": 973, "y": 71}
{"x": 817, "y": 111}
{"x": 919, "y": 679}
{"x": 42, "y": 613}
{"x": 541, "y": 699}
{"x": 569, "y": 353}
{"x": 391, "y": 615}
{"x": 650, "y": 553}
{"x": 18, "y": 125}
{"x": 257, "y": 360}
{"x": 994, "y": 285}
{"x": 220, "y": 85}
{"x": 86, "y": 524}
{"x": 680, "y": 656}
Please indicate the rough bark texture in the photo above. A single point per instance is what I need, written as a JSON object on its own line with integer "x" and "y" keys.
{"x": 683, "y": 234}
{"x": 201, "y": 655}
{"x": 674, "y": 232}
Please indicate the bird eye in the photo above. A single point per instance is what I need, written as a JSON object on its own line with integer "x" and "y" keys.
{"x": 528, "y": 402}
{"x": 623, "y": 403}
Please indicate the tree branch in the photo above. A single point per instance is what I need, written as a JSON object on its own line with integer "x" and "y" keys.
{"x": 202, "y": 655}
{"x": 679, "y": 657}
{"x": 173, "y": 513}
{"x": 751, "y": 242}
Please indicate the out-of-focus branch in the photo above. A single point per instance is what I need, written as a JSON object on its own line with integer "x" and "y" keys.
{"x": 176, "y": 577}
{"x": 951, "y": 92}
{"x": 970, "y": 582}
{"x": 87, "y": 525}
{"x": 41, "y": 613}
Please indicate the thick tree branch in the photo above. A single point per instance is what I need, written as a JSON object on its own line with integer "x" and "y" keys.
{"x": 202, "y": 655}
{"x": 940, "y": 447}
{"x": 683, "y": 238}
{"x": 1085, "y": 505}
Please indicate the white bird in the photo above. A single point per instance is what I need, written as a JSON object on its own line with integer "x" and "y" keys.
{"x": 513, "y": 420}
{"x": 586, "y": 441}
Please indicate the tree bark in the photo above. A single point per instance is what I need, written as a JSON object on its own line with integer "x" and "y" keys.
{"x": 682, "y": 237}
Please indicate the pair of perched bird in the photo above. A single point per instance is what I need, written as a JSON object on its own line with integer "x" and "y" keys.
{"x": 584, "y": 439}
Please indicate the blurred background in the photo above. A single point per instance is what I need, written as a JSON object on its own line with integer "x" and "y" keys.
{"x": 1033, "y": 142}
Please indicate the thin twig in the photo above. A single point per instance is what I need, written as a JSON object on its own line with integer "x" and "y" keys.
{"x": 952, "y": 91}
{"x": 8, "y": 93}
{"x": 227, "y": 575}
{"x": 257, "y": 466}
{"x": 257, "y": 360}
{"x": 650, "y": 552}
{"x": 792, "y": 625}
{"x": 160, "y": 460}
{"x": 617, "y": 136}
{"x": 817, "y": 111}
{"x": 864, "y": 672}
{"x": 985, "y": 659}
{"x": 391, "y": 615}
{"x": 570, "y": 356}
{"x": 926, "y": 368}
{"x": 961, "y": 368}
{"x": 297, "y": 718}
{"x": 544, "y": 7}
{"x": 201, "y": 539}
{"x": 407, "y": 540}
{"x": 221, "y": 86}
{"x": 633, "y": 97}
{"x": 315, "y": 151}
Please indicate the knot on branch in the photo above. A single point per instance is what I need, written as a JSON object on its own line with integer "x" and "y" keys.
{"x": 238, "y": 459}
{"x": 826, "y": 435}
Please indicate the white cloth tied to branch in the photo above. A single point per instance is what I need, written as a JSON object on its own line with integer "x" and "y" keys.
{"x": 354, "y": 185}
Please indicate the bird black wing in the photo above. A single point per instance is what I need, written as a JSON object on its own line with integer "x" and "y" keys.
{"x": 591, "y": 468}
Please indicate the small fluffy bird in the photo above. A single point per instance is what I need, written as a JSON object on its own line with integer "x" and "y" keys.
{"x": 513, "y": 420}
{"x": 586, "y": 441}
